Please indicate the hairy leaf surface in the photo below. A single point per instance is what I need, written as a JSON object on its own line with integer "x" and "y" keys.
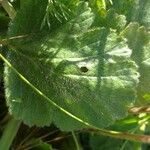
{"x": 85, "y": 70}
{"x": 139, "y": 41}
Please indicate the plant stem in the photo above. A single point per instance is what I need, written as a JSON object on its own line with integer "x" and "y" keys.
{"x": 75, "y": 140}
{"x": 121, "y": 135}
{"x": 139, "y": 109}
{"x": 8, "y": 8}
{"x": 9, "y": 133}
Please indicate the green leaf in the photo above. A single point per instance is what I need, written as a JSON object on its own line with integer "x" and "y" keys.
{"x": 102, "y": 143}
{"x": 59, "y": 11}
{"x": 144, "y": 13}
{"x": 144, "y": 87}
{"x": 37, "y": 144}
{"x": 114, "y": 20}
{"x": 4, "y": 23}
{"x": 86, "y": 71}
{"x": 98, "y": 142}
{"x": 101, "y": 6}
{"x": 125, "y": 7}
{"x": 130, "y": 124}
{"x": 139, "y": 41}
{"x": 34, "y": 11}
{"x": 111, "y": 19}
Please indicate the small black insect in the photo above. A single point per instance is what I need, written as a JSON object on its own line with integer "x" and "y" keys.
{"x": 84, "y": 69}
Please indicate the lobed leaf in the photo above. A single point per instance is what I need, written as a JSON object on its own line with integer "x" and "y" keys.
{"x": 85, "y": 70}
{"x": 139, "y": 41}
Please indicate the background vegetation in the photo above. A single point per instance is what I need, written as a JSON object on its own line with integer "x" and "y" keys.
{"x": 74, "y": 74}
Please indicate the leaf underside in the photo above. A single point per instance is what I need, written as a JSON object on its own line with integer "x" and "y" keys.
{"x": 98, "y": 94}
